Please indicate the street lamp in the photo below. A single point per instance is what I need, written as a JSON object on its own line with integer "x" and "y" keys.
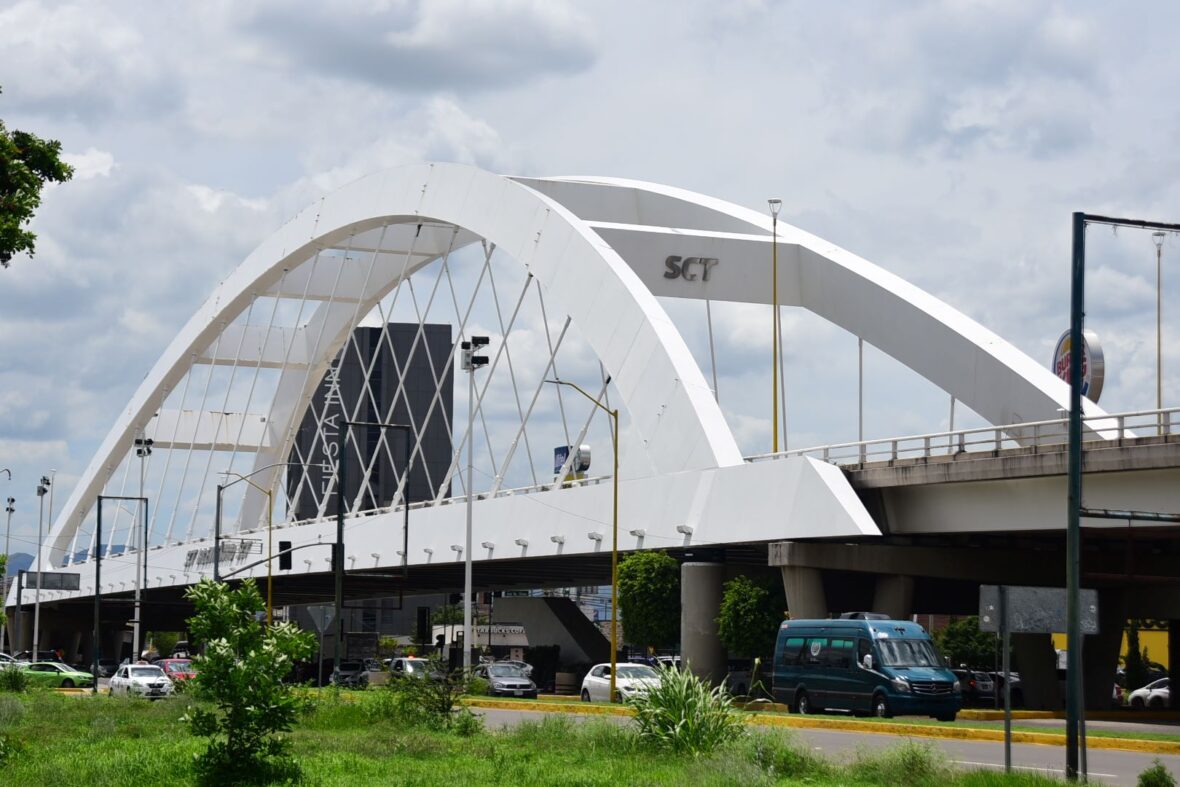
{"x": 8, "y": 509}
{"x": 270, "y": 523}
{"x": 217, "y": 512}
{"x": 96, "y": 651}
{"x": 614, "y": 544}
{"x": 143, "y": 449}
{"x": 1158, "y": 239}
{"x": 775, "y": 206}
{"x": 471, "y": 362}
{"x": 42, "y": 488}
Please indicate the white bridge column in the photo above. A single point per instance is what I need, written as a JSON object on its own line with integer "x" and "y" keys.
{"x": 804, "y": 588}
{"x": 700, "y": 604}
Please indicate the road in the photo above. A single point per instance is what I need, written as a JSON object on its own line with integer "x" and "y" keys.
{"x": 1105, "y": 766}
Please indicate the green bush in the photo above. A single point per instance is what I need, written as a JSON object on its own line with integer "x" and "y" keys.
{"x": 1156, "y": 776}
{"x": 910, "y": 763}
{"x": 12, "y": 711}
{"x": 465, "y": 723}
{"x": 240, "y": 674}
{"x": 431, "y": 700}
{"x": 684, "y": 714}
{"x": 778, "y": 756}
{"x": 14, "y": 679}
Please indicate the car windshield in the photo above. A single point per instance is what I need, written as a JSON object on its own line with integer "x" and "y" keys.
{"x": 415, "y": 666}
{"x": 637, "y": 671}
{"x": 179, "y": 666}
{"x": 146, "y": 672}
{"x": 908, "y": 653}
{"x": 505, "y": 671}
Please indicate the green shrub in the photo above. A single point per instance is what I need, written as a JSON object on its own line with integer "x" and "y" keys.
{"x": 684, "y": 714}
{"x": 431, "y": 699}
{"x": 909, "y": 763}
{"x": 778, "y": 756}
{"x": 14, "y": 679}
{"x": 240, "y": 674}
{"x": 1156, "y": 776}
{"x": 465, "y": 723}
{"x": 477, "y": 687}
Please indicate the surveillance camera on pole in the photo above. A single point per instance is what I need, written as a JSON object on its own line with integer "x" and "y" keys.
{"x": 471, "y": 362}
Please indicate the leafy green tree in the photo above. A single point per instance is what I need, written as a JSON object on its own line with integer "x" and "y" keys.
{"x": 240, "y": 673}
{"x": 1136, "y": 664}
{"x": 963, "y": 643}
{"x": 26, "y": 163}
{"x": 649, "y": 599}
{"x": 751, "y": 611}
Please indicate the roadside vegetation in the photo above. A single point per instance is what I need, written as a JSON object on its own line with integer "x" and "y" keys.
{"x": 348, "y": 738}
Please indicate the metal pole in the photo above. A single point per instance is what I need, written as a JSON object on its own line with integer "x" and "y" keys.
{"x": 860, "y": 389}
{"x": 97, "y": 647}
{"x": 712, "y": 351}
{"x": 1073, "y": 524}
{"x": 37, "y": 596}
{"x": 270, "y": 545}
{"x": 217, "y": 536}
{"x": 467, "y": 639}
{"x": 406, "y": 507}
{"x": 338, "y": 547}
{"x": 136, "y": 627}
{"x": 614, "y": 561}
{"x": 4, "y": 579}
{"x": 1158, "y": 239}
{"x": 141, "y": 605}
{"x": 774, "y": 342}
{"x": 1004, "y": 639}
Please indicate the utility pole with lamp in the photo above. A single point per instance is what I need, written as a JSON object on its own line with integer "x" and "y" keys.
{"x": 1158, "y": 239}
{"x": 8, "y": 510}
{"x": 143, "y": 449}
{"x": 42, "y": 488}
{"x": 775, "y": 206}
{"x": 471, "y": 362}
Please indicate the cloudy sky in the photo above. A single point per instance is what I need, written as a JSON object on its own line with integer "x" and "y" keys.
{"x": 946, "y": 141}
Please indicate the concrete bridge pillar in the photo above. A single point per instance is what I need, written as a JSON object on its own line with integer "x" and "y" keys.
{"x": 894, "y": 596}
{"x": 1036, "y": 661}
{"x": 1100, "y": 652}
{"x": 804, "y": 588}
{"x": 700, "y": 603}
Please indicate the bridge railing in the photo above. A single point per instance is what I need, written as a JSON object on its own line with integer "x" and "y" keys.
{"x": 1034, "y": 434}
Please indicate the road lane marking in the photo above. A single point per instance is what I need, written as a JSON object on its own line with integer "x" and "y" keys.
{"x": 1031, "y": 768}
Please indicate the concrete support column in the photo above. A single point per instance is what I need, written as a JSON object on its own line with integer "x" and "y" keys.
{"x": 804, "y": 588}
{"x": 700, "y": 603}
{"x": 1100, "y": 652}
{"x": 1035, "y": 659}
{"x": 894, "y": 596}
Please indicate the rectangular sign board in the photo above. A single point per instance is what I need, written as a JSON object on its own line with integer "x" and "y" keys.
{"x": 1035, "y": 610}
{"x": 52, "y": 580}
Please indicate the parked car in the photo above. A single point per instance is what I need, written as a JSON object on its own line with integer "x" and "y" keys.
{"x": 5, "y": 659}
{"x": 506, "y": 680}
{"x": 372, "y": 665}
{"x": 42, "y": 655}
{"x": 1155, "y": 695}
{"x": 978, "y": 687}
{"x": 54, "y": 674}
{"x": 177, "y": 669}
{"x": 410, "y": 666}
{"x": 107, "y": 667}
{"x": 351, "y": 675}
{"x": 521, "y": 665}
{"x": 1017, "y": 689}
{"x": 144, "y": 680}
{"x": 631, "y": 679}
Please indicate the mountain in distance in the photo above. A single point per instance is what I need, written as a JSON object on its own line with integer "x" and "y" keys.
{"x": 19, "y": 561}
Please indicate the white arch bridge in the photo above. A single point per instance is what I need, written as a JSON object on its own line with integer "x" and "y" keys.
{"x": 566, "y": 276}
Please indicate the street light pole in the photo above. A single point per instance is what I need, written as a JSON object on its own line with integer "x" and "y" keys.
{"x": 1158, "y": 239}
{"x": 775, "y": 206}
{"x": 614, "y": 545}
{"x": 471, "y": 362}
{"x": 42, "y": 488}
{"x": 8, "y": 509}
{"x": 270, "y": 521}
{"x": 217, "y": 508}
{"x": 143, "y": 449}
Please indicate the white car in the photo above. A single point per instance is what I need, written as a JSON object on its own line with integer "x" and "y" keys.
{"x": 1154, "y": 695}
{"x": 144, "y": 680}
{"x": 631, "y": 679}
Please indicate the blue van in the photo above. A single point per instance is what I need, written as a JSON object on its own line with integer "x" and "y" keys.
{"x": 879, "y": 667}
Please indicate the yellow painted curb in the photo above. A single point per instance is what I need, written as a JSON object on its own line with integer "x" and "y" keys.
{"x": 851, "y": 725}
{"x": 978, "y": 714}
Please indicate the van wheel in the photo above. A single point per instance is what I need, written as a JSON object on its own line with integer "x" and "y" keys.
{"x": 802, "y": 704}
{"x": 881, "y": 707}
{"x": 585, "y": 695}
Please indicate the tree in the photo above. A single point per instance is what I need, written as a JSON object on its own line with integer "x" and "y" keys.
{"x": 26, "y": 163}
{"x": 241, "y": 673}
{"x": 962, "y": 643}
{"x": 751, "y": 611}
{"x": 649, "y": 599}
{"x": 1135, "y": 663}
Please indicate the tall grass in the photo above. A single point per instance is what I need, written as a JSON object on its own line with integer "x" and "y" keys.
{"x": 685, "y": 714}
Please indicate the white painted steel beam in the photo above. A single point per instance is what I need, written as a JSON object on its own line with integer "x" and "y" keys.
{"x": 259, "y": 345}
{"x": 205, "y": 431}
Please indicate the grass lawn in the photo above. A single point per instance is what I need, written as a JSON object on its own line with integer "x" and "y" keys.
{"x": 49, "y": 739}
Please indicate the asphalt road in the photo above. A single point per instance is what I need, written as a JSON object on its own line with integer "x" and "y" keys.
{"x": 1104, "y": 765}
